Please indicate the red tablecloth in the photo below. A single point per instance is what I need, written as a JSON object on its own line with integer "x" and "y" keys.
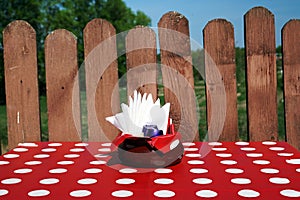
{"x": 228, "y": 170}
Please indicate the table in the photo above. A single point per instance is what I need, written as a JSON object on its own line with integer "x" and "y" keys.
{"x": 228, "y": 170}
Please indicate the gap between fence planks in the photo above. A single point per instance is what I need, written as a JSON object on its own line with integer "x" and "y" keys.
{"x": 261, "y": 74}
{"x": 21, "y": 83}
{"x": 63, "y": 101}
{"x": 291, "y": 69}
{"x": 220, "y": 81}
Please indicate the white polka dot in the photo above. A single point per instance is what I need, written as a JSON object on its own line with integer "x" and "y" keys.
{"x": 198, "y": 170}
{"x": 242, "y": 143}
{"x": 248, "y": 149}
{"x": 241, "y": 181}
{"x": 80, "y": 193}
{"x": 193, "y": 155}
{"x": 285, "y": 154}
{"x": 81, "y": 145}
{"x": 163, "y": 171}
{"x": 269, "y": 143}
{"x": 125, "y": 181}
{"x": 290, "y": 193}
{"x": 38, "y": 193}
{"x": 20, "y": 149}
{"x": 106, "y": 144}
{"x": 87, "y": 181}
{"x": 191, "y": 149}
{"x": 65, "y": 162}
{"x": 92, "y": 171}
{"x": 22, "y": 171}
{"x": 234, "y": 171}
{"x": 77, "y": 150}
{"x": 41, "y": 156}
{"x": 206, "y": 193}
{"x": 174, "y": 144}
{"x": 228, "y": 162}
{"x": 98, "y": 162}
{"x": 34, "y": 162}
{"x": 11, "y": 181}
{"x": 254, "y": 155}
{"x": 298, "y": 170}
{"x": 122, "y": 193}
{"x": 261, "y": 162}
{"x": 58, "y": 171}
{"x": 248, "y": 193}
{"x": 127, "y": 170}
{"x": 294, "y": 161}
{"x": 48, "y": 150}
{"x": 104, "y": 150}
{"x": 219, "y": 148}
{"x": 224, "y": 155}
{"x": 163, "y": 181}
{"x": 215, "y": 144}
{"x": 3, "y": 162}
{"x": 101, "y": 156}
{"x": 278, "y": 180}
{"x": 55, "y": 144}
{"x": 49, "y": 181}
{"x": 202, "y": 181}
{"x": 269, "y": 171}
{"x": 3, "y": 192}
{"x": 276, "y": 148}
{"x": 164, "y": 193}
{"x": 188, "y": 144}
{"x": 28, "y": 144}
{"x": 11, "y": 155}
{"x": 71, "y": 155}
{"x": 195, "y": 162}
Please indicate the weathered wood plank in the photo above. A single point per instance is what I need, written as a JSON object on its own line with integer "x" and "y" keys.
{"x": 291, "y": 69}
{"x": 102, "y": 89}
{"x": 21, "y": 83}
{"x": 63, "y": 101}
{"x": 261, "y": 74}
{"x": 221, "y": 72}
{"x": 177, "y": 72}
{"x": 141, "y": 61}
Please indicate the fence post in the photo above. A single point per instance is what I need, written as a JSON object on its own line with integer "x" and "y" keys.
{"x": 261, "y": 74}
{"x": 101, "y": 68}
{"x": 21, "y": 83}
{"x": 220, "y": 54}
{"x": 291, "y": 69}
{"x": 177, "y": 73}
{"x": 141, "y": 61}
{"x": 63, "y": 101}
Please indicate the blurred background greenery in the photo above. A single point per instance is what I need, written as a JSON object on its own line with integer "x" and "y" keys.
{"x": 73, "y": 15}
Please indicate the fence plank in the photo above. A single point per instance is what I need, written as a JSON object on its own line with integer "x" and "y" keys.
{"x": 177, "y": 72}
{"x": 261, "y": 74}
{"x": 220, "y": 58}
{"x": 21, "y": 83}
{"x": 291, "y": 68}
{"x": 101, "y": 69}
{"x": 141, "y": 61}
{"x": 63, "y": 100}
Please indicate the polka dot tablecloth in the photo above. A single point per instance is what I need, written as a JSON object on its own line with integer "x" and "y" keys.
{"x": 229, "y": 170}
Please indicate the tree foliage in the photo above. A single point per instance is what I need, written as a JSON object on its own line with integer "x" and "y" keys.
{"x": 46, "y": 16}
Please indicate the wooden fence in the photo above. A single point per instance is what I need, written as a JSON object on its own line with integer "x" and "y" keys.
{"x": 63, "y": 96}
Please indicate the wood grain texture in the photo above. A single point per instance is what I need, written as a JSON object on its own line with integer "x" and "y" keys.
{"x": 261, "y": 74}
{"x": 141, "y": 61}
{"x": 291, "y": 69}
{"x": 177, "y": 72}
{"x": 102, "y": 89}
{"x": 63, "y": 101}
{"x": 220, "y": 72}
{"x": 21, "y": 83}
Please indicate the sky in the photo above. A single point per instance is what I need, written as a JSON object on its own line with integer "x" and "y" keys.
{"x": 200, "y": 12}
